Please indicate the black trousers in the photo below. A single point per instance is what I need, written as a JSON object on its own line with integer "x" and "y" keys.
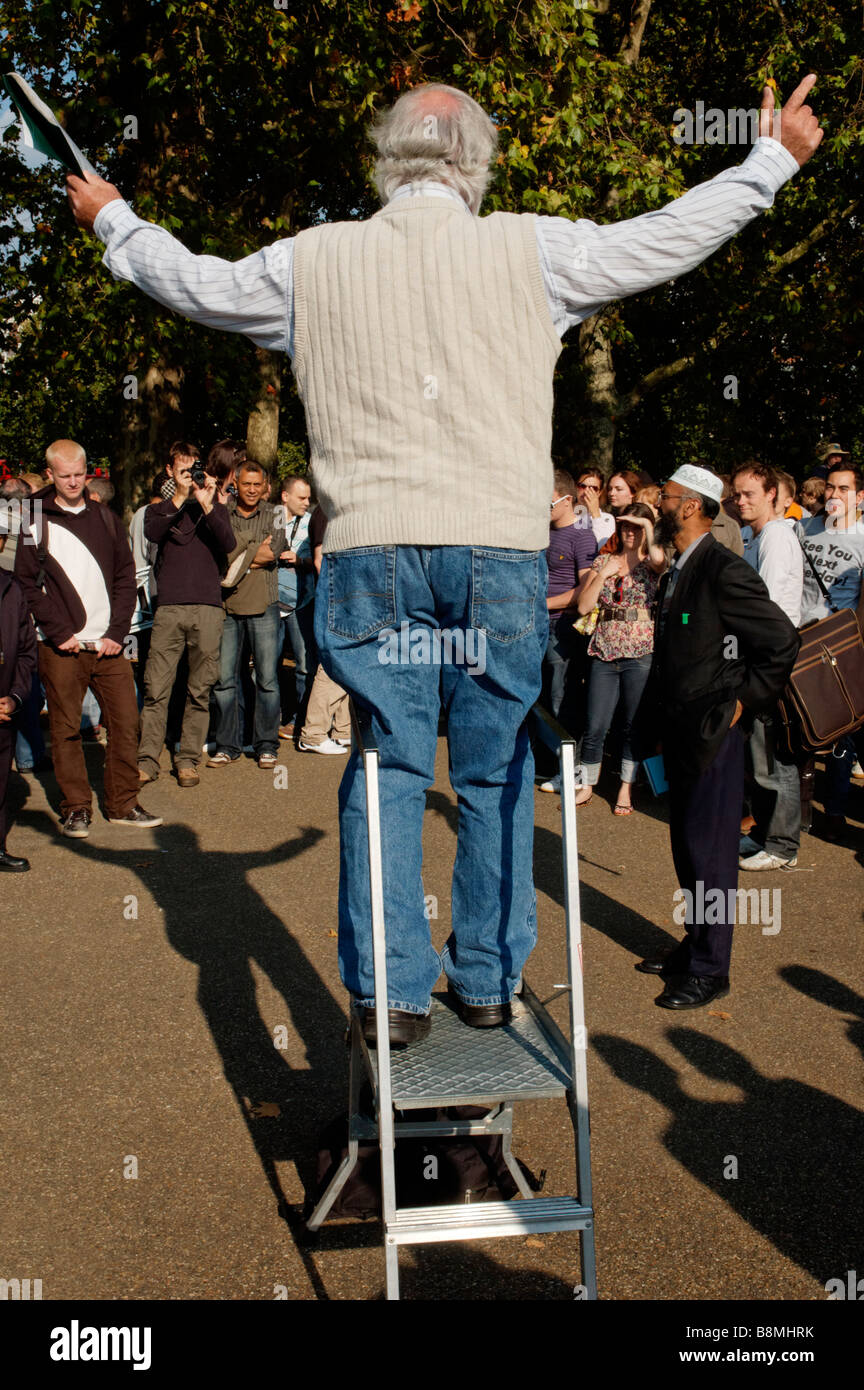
{"x": 7, "y": 745}
{"x": 705, "y": 828}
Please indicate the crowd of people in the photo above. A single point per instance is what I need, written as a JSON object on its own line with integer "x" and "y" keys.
{"x": 180, "y": 621}
{"x": 215, "y": 585}
{"x": 604, "y": 573}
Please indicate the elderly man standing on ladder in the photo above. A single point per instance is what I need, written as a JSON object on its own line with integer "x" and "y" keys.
{"x": 424, "y": 342}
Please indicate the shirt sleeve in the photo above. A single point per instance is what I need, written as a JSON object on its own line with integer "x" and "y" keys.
{"x": 781, "y": 565}
{"x": 586, "y": 266}
{"x": 254, "y": 296}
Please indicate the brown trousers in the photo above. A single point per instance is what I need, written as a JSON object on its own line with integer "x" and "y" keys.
{"x": 66, "y": 677}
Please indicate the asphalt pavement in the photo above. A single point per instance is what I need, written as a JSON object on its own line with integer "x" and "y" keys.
{"x": 173, "y": 1029}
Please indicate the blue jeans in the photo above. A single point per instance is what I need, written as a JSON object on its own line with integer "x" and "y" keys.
{"x": 609, "y": 683}
{"x": 299, "y": 626}
{"x": 775, "y": 796}
{"x": 29, "y": 743}
{"x": 264, "y": 631}
{"x": 376, "y": 612}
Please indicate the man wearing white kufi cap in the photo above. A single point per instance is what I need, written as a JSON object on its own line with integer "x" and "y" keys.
{"x": 722, "y": 654}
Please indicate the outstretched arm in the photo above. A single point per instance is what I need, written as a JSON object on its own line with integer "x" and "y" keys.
{"x": 252, "y": 296}
{"x": 590, "y": 265}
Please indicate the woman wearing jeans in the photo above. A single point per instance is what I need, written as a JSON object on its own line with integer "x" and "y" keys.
{"x": 624, "y": 586}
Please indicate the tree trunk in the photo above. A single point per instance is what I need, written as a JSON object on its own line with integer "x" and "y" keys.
{"x": 149, "y": 424}
{"x": 595, "y": 353}
{"x": 262, "y": 430}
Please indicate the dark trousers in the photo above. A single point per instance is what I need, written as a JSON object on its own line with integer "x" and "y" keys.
{"x": 66, "y": 677}
{"x": 299, "y": 626}
{"x": 704, "y": 826}
{"x": 7, "y": 743}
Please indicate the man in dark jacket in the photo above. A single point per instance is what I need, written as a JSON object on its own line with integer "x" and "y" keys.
{"x": 17, "y": 668}
{"x": 722, "y": 654}
{"x": 78, "y": 578}
{"x": 194, "y": 536}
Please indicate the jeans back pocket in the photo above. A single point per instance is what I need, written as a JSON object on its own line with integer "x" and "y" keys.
{"x": 361, "y": 591}
{"x": 504, "y": 592}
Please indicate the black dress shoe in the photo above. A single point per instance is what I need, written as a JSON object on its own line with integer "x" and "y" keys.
{"x": 404, "y": 1027}
{"x": 692, "y": 991}
{"x": 481, "y": 1015}
{"x": 10, "y": 865}
{"x": 654, "y": 965}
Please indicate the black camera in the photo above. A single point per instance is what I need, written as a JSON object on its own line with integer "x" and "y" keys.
{"x": 197, "y": 476}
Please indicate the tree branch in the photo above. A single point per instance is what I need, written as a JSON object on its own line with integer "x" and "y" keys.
{"x": 658, "y": 377}
{"x": 631, "y": 44}
{"x": 819, "y": 231}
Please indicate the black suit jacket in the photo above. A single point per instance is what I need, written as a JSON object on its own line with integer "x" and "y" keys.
{"x": 17, "y": 641}
{"x": 723, "y": 640}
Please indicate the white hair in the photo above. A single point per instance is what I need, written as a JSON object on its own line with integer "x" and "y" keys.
{"x": 435, "y": 132}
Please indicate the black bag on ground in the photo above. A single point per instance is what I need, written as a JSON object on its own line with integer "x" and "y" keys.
{"x": 429, "y": 1172}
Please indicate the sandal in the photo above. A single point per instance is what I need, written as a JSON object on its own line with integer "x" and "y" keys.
{"x": 588, "y": 798}
{"x": 621, "y": 809}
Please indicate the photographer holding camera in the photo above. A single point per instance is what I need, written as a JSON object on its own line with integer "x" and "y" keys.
{"x": 194, "y": 537}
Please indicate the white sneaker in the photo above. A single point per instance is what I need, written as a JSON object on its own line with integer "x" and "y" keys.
{"x": 553, "y": 784}
{"x": 328, "y": 745}
{"x": 763, "y": 861}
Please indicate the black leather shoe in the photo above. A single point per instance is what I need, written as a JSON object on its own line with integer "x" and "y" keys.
{"x": 480, "y": 1015}
{"x": 692, "y": 991}
{"x": 10, "y": 865}
{"x": 404, "y": 1027}
{"x": 654, "y": 965}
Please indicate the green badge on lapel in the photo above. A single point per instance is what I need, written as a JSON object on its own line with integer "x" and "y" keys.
{"x": 684, "y": 617}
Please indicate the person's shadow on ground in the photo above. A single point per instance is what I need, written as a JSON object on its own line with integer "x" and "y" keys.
{"x": 826, "y": 990}
{"x": 215, "y": 918}
{"x": 796, "y": 1150}
{"x": 635, "y": 933}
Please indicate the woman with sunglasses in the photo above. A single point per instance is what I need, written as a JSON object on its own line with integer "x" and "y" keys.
{"x": 623, "y": 585}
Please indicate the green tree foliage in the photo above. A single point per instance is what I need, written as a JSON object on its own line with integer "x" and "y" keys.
{"x": 251, "y": 124}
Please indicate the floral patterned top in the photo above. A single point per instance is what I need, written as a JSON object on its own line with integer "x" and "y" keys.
{"x": 617, "y": 639}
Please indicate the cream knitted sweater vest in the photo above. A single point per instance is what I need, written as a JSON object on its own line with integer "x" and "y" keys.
{"x": 424, "y": 352}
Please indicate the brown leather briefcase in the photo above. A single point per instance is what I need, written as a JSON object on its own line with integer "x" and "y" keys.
{"x": 824, "y": 696}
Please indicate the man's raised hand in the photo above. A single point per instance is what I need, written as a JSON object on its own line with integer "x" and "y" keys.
{"x": 795, "y": 126}
{"x": 88, "y": 196}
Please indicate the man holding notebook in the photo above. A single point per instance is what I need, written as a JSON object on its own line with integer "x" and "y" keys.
{"x": 424, "y": 343}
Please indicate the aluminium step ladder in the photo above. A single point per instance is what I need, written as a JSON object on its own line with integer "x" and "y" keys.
{"x": 528, "y": 1059}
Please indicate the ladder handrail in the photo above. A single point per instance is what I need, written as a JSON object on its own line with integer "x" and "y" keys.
{"x": 556, "y": 737}
{"x": 370, "y": 756}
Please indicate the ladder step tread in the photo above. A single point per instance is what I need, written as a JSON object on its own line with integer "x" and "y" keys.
{"x": 457, "y": 1065}
{"x": 473, "y": 1221}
